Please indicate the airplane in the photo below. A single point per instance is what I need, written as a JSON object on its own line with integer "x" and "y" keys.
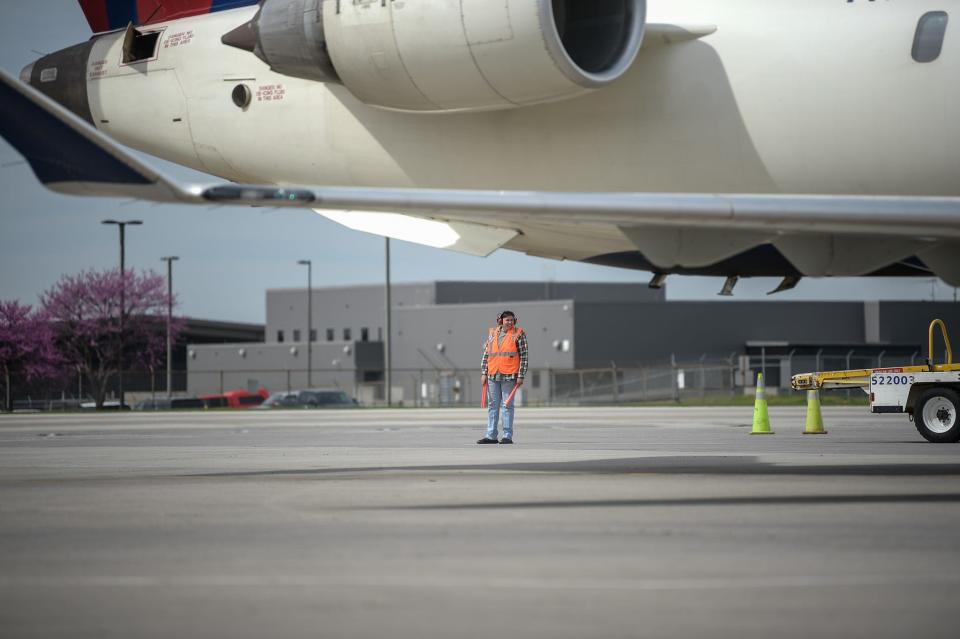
{"x": 737, "y": 138}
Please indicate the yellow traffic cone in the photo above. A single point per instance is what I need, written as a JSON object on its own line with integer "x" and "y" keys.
{"x": 761, "y": 420}
{"x": 814, "y": 416}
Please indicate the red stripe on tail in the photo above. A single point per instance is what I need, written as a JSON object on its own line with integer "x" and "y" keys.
{"x": 96, "y": 14}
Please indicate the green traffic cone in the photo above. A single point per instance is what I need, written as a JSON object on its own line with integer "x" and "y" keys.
{"x": 814, "y": 416}
{"x": 761, "y": 419}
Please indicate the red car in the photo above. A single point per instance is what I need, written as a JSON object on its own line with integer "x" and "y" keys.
{"x": 235, "y": 399}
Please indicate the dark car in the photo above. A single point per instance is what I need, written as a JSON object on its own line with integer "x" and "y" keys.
{"x": 313, "y": 398}
{"x": 176, "y": 403}
{"x": 153, "y": 404}
{"x": 110, "y": 404}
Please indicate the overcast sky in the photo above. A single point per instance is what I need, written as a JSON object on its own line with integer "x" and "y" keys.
{"x": 230, "y": 256}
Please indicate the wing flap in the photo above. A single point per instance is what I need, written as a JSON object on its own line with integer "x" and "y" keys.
{"x": 463, "y": 237}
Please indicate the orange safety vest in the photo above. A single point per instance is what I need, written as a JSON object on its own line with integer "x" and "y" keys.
{"x": 503, "y": 357}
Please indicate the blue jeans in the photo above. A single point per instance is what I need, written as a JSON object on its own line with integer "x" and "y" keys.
{"x": 497, "y": 393}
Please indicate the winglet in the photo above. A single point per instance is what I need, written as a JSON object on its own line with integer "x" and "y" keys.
{"x": 70, "y": 156}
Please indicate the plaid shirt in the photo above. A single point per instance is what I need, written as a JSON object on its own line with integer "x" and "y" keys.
{"x": 521, "y": 348}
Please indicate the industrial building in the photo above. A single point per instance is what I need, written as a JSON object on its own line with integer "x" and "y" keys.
{"x": 588, "y": 341}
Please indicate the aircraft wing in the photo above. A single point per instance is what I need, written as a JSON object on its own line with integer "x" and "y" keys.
{"x": 820, "y": 235}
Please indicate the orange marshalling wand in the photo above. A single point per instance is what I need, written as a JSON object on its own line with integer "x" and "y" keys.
{"x": 510, "y": 396}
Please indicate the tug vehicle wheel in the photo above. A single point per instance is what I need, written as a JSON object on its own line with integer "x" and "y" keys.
{"x": 936, "y": 415}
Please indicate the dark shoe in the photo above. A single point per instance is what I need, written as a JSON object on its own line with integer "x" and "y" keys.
{"x": 506, "y": 440}
{"x": 486, "y": 440}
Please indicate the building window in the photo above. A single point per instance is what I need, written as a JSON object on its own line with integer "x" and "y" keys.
{"x": 279, "y": 336}
{"x": 346, "y": 334}
{"x": 329, "y": 334}
{"x": 928, "y": 42}
{"x": 364, "y": 334}
{"x": 535, "y": 379}
{"x": 379, "y": 333}
{"x": 296, "y": 334}
{"x": 313, "y": 334}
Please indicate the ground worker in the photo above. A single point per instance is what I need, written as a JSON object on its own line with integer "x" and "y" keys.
{"x": 501, "y": 374}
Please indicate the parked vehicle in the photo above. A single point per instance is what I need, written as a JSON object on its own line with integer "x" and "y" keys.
{"x": 177, "y": 403}
{"x": 312, "y": 398}
{"x": 236, "y": 399}
{"x": 111, "y": 404}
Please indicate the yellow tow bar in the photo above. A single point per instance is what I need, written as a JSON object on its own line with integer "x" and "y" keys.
{"x": 860, "y": 378}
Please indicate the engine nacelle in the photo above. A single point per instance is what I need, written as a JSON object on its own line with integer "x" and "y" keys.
{"x": 449, "y": 55}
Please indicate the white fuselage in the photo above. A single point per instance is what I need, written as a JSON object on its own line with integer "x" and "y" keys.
{"x": 820, "y": 96}
{"x": 812, "y": 97}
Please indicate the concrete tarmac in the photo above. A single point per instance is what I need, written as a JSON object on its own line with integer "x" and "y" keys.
{"x": 598, "y": 522}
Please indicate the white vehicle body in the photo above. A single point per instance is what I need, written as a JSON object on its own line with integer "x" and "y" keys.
{"x": 895, "y": 390}
{"x": 810, "y": 102}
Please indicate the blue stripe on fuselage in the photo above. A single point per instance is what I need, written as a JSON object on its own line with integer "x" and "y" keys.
{"x": 120, "y": 13}
{"x": 223, "y": 5}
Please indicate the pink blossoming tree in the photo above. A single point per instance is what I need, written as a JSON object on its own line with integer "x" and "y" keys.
{"x": 26, "y": 347}
{"x": 85, "y": 312}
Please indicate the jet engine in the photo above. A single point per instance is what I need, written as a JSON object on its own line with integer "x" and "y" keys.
{"x": 452, "y": 55}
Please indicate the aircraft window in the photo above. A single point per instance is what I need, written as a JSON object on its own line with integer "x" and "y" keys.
{"x": 138, "y": 46}
{"x": 928, "y": 41}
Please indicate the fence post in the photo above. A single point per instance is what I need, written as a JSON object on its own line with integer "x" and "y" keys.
{"x": 675, "y": 387}
{"x": 7, "y": 406}
{"x": 733, "y": 374}
{"x": 616, "y": 394}
{"x": 849, "y": 356}
{"x": 703, "y": 375}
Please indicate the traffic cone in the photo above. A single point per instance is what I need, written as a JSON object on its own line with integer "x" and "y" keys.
{"x": 761, "y": 420}
{"x": 814, "y": 416}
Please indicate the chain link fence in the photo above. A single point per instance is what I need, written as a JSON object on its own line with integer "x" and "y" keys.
{"x": 671, "y": 380}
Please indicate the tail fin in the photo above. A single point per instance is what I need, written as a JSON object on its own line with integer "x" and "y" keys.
{"x": 107, "y": 15}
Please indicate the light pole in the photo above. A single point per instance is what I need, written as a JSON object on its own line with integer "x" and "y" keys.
{"x": 386, "y": 340}
{"x": 123, "y": 298}
{"x": 169, "y": 260}
{"x": 309, "y": 266}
